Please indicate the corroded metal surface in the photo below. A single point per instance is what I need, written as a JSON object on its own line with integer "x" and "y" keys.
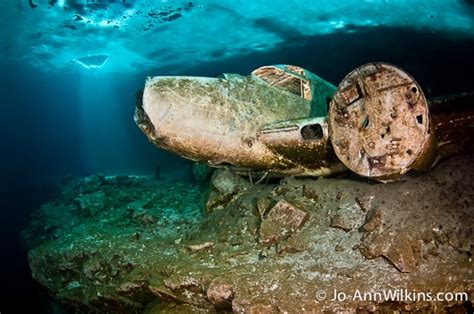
{"x": 453, "y": 120}
{"x": 297, "y": 84}
{"x": 379, "y": 123}
{"x": 304, "y": 141}
{"x": 228, "y": 121}
{"x": 275, "y": 120}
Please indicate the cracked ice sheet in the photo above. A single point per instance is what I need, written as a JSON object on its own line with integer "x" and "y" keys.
{"x": 140, "y": 34}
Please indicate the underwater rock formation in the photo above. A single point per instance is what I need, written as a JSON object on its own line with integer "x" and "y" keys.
{"x": 290, "y": 246}
{"x": 282, "y": 220}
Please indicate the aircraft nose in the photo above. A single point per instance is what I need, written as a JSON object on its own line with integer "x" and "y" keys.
{"x": 168, "y": 102}
{"x": 141, "y": 118}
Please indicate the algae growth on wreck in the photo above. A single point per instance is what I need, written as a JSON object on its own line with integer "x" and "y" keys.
{"x": 95, "y": 218}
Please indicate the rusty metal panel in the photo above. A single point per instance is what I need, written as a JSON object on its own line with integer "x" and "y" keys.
{"x": 379, "y": 123}
{"x": 453, "y": 121}
{"x": 304, "y": 141}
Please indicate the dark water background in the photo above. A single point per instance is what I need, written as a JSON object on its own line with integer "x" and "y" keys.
{"x": 57, "y": 124}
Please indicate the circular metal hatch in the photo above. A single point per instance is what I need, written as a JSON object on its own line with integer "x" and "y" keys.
{"x": 379, "y": 122}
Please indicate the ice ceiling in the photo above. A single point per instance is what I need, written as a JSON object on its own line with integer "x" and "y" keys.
{"x": 126, "y": 35}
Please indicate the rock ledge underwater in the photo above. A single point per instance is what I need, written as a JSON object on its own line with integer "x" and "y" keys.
{"x": 132, "y": 245}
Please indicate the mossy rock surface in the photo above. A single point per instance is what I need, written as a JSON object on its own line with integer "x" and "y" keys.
{"x": 152, "y": 248}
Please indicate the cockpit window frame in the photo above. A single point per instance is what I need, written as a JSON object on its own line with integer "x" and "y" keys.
{"x": 277, "y": 76}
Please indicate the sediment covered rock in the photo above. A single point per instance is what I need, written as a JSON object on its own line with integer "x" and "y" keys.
{"x": 288, "y": 247}
{"x": 282, "y": 221}
{"x": 225, "y": 186}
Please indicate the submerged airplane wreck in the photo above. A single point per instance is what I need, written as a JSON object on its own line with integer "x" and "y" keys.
{"x": 295, "y": 245}
{"x": 285, "y": 120}
{"x": 255, "y": 122}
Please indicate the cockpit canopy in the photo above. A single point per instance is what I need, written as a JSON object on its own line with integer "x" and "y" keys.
{"x": 296, "y": 81}
{"x": 290, "y": 78}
